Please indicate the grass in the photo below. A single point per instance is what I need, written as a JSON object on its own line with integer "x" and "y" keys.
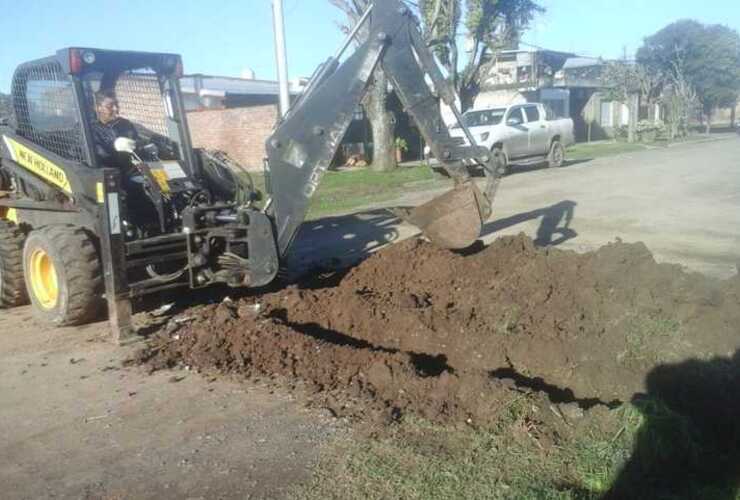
{"x": 648, "y": 338}
{"x": 641, "y": 450}
{"x": 346, "y": 191}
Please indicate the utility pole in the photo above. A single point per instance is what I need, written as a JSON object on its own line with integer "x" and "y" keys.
{"x": 281, "y": 55}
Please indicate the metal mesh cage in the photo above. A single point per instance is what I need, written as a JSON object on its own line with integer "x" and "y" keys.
{"x": 45, "y": 111}
{"x": 140, "y": 100}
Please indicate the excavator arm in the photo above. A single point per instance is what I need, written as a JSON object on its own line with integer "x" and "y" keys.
{"x": 304, "y": 143}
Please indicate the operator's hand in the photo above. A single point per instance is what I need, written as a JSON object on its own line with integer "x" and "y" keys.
{"x": 125, "y": 145}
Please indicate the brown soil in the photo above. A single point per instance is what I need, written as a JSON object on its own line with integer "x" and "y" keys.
{"x": 447, "y": 336}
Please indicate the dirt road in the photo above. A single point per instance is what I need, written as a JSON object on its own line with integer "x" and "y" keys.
{"x": 75, "y": 424}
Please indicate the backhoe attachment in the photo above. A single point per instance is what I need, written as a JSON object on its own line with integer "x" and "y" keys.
{"x": 305, "y": 141}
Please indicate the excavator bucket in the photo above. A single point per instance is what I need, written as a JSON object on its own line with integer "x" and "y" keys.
{"x": 453, "y": 220}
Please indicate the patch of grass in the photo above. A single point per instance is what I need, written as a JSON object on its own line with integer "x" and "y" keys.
{"x": 509, "y": 323}
{"x": 648, "y": 337}
{"x": 597, "y": 458}
{"x": 343, "y": 192}
{"x": 420, "y": 460}
{"x": 642, "y": 450}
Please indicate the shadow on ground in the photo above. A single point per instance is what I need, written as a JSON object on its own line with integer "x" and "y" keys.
{"x": 554, "y": 227}
{"x": 689, "y": 444}
{"x": 337, "y": 242}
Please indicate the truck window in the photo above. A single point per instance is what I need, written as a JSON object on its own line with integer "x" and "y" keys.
{"x": 516, "y": 113}
{"x": 483, "y": 117}
{"x": 533, "y": 114}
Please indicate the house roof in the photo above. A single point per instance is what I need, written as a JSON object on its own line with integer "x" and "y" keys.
{"x": 221, "y": 86}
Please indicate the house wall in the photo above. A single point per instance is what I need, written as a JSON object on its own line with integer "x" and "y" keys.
{"x": 240, "y": 132}
{"x": 499, "y": 98}
{"x": 724, "y": 115}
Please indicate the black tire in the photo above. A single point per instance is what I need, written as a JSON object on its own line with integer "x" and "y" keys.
{"x": 12, "y": 286}
{"x": 556, "y": 157}
{"x": 75, "y": 271}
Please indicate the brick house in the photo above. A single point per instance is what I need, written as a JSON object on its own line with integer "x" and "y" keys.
{"x": 235, "y": 115}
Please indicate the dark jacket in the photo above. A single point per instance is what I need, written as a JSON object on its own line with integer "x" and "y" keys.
{"x": 105, "y": 135}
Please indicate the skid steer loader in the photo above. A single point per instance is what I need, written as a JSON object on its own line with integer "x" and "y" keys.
{"x": 78, "y": 234}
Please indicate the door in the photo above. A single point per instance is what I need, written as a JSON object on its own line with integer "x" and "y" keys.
{"x": 537, "y": 128}
{"x": 517, "y": 137}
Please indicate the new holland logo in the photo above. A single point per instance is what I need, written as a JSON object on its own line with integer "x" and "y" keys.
{"x": 37, "y": 164}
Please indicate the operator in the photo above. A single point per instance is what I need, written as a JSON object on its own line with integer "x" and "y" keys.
{"x": 108, "y": 127}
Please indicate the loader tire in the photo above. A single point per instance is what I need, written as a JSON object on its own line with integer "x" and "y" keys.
{"x": 63, "y": 275}
{"x": 556, "y": 157}
{"x": 12, "y": 287}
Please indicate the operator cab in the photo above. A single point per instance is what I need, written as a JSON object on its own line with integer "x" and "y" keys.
{"x": 55, "y": 108}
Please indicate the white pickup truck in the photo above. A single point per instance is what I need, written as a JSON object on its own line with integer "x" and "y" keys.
{"x": 526, "y": 133}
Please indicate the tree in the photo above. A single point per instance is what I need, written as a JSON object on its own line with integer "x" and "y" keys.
{"x": 630, "y": 83}
{"x": 376, "y": 100}
{"x": 490, "y": 26}
{"x": 709, "y": 58}
{"x": 4, "y": 105}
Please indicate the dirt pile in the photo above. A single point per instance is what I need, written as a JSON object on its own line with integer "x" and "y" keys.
{"x": 445, "y": 335}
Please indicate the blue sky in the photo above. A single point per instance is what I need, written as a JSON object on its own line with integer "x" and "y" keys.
{"x": 223, "y": 37}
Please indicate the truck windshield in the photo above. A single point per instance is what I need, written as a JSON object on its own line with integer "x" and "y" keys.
{"x": 483, "y": 117}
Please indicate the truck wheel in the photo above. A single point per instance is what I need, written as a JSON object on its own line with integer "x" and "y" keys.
{"x": 557, "y": 155}
{"x": 12, "y": 288}
{"x": 63, "y": 275}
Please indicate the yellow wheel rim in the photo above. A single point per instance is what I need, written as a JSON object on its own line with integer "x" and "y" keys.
{"x": 44, "y": 283}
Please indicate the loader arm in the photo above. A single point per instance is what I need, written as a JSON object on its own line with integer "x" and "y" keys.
{"x": 304, "y": 143}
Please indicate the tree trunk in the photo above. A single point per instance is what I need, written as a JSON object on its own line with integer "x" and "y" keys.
{"x": 708, "y": 123}
{"x": 732, "y": 114}
{"x": 633, "y": 107}
{"x": 384, "y": 151}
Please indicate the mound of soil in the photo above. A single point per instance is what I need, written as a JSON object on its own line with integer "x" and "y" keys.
{"x": 448, "y": 335}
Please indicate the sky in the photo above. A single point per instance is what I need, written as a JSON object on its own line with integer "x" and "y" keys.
{"x": 225, "y": 37}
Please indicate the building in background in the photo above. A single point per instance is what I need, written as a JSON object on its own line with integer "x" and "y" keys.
{"x": 570, "y": 85}
{"x": 235, "y": 115}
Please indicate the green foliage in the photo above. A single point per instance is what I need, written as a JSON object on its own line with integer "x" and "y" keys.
{"x": 491, "y": 24}
{"x": 401, "y": 144}
{"x": 4, "y": 105}
{"x": 708, "y": 56}
{"x": 499, "y": 23}
{"x": 441, "y": 19}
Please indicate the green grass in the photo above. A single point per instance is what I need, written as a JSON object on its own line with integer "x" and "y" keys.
{"x": 649, "y": 338}
{"x": 642, "y": 450}
{"x": 346, "y": 191}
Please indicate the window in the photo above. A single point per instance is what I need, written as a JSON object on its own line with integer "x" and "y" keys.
{"x": 483, "y": 117}
{"x": 46, "y": 111}
{"x": 516, "y": 114}
{"x": 533, "y": 114}
{"x": 51, "y": 105}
